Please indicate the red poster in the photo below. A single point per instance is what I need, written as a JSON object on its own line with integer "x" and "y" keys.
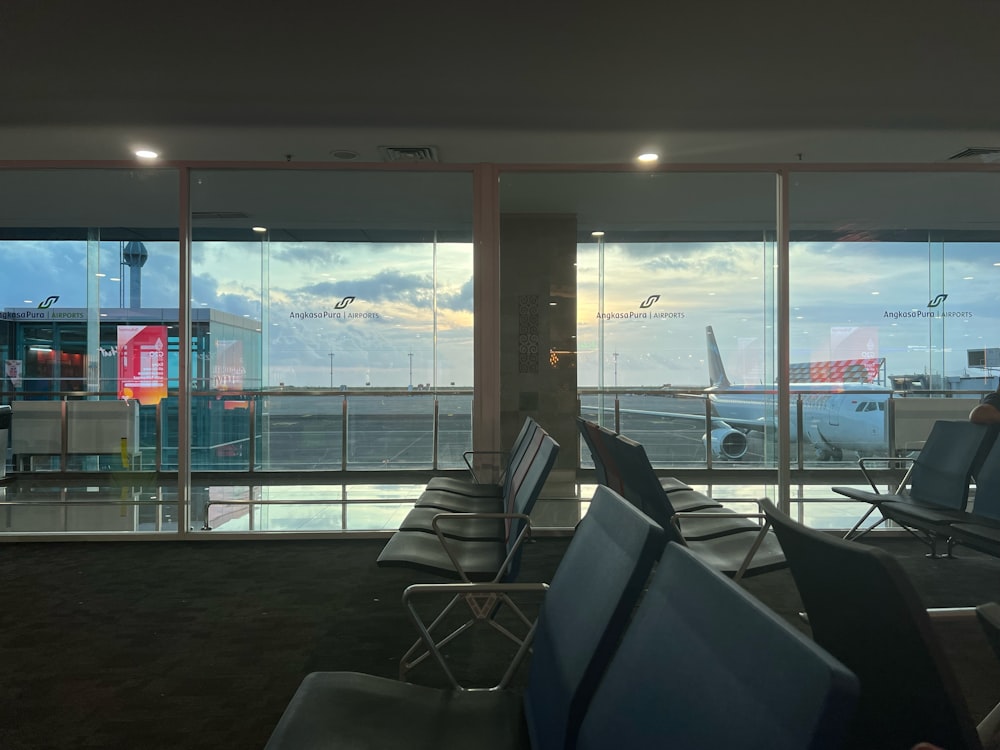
{"x": 142, "y": 363}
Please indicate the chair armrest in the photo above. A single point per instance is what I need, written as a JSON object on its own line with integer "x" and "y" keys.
{"x": 482, "y": 599}
{"x": 865, "y": 461}
{"x": 467, "y": 455}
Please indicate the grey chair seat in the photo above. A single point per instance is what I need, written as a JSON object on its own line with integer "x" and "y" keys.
{"x": 466, "y": 487}
{"x": 454, "y": 525}
{"x": 362, "y": 711}
{"x": 449, "y": 501}
{"x": 686, "y": 499}
{"x": 481, "y": 561}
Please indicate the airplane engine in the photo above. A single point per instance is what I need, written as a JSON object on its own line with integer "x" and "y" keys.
{"x": 728, "y": 443}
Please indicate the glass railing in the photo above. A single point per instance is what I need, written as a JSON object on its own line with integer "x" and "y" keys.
{"x": 402, "y": 430}
{"x": 246, "y": 431}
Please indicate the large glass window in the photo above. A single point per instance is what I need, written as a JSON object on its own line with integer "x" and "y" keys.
{"x": 892, "y": 280}
{"x": 352, "y": 293}
{"x": 86, "y": 254}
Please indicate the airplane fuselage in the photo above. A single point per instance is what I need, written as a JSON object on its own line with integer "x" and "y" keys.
{"x": 835, "y": 417}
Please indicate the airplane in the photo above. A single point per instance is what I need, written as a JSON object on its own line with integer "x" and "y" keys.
{"x": 836, "y": 417}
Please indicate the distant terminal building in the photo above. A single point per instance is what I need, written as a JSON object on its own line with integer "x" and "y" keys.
{"x": 56, "y": 350}
{"x": 132, "y": 354}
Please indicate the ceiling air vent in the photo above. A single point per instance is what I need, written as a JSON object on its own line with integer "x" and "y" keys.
{"x": 408, "y": 153}
{"x": 982, "y": 153}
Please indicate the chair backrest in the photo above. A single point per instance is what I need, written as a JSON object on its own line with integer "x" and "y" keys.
{"x": 705, "y": 665}
{"x": 519, "y": 471}
{"x": 641, "y": 486}
{"x": 524, "y": 493}
{"x": 863, "y": 609}
{"x": 606, "y": 472}
{"x": 517, "y": 451}
{"x": 987, "y": 503}
{"x": 943, "y": 467}
{"x": 590, "y": 600}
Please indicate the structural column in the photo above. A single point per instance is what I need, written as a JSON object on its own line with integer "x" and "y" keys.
{"x": 538, "y": 336}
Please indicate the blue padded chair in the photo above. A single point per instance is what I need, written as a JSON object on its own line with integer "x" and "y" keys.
{"x": 937, "y": 481}
{"x": 491, "y": 559}
{"x": 733, "y": 543}
{"x": 978, "y": 528}
{"x": 864, "y": 610}
{"x": 591, "y": 596}
{"x": 489, "y": 522}
{"x": 706, "y": 665}
{"x": 473, "y": 487}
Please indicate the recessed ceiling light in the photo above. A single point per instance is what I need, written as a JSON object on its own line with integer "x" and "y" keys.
{"x": 145, "y": 153}
{"x": 597, "y": 234}
{"x": 650, "y": 156}
{"x": 259, "y": 229}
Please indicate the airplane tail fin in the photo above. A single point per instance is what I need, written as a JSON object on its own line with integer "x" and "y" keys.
{"x": 716, "y": 371}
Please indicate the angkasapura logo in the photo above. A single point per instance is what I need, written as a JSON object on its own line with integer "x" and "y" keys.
{"x": 343, "y": 303}
{"x": 48, "y": 302}
{"x": 937, "y": 300}
{"x": 648, "y": 302}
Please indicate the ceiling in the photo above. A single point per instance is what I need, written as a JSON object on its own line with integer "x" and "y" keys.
{"x": 514, "y": 82}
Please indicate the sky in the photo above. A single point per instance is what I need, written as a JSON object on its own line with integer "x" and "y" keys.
{"x": 399, "y": 300}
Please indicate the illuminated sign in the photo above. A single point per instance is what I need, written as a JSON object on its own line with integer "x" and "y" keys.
{"x": 142, "y": 363}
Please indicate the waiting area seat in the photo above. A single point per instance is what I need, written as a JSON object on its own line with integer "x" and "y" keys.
{"x": 863, "y": 609}
{"x": 476, "y": 546}
{"x": 979, "y": 526}
{"x": 489, "y": 522}
{"x": 737, "y": 544}
{"x": 695, "y": 667}
{"x": 936, "y": 486}
{"x": 474, "y": 486}
{"x": 602, "y": 444}
{"x": 472, "y": 547}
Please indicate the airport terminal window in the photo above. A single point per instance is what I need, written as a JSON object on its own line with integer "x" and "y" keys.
{"x": 902, "y": 298}
{"x": 359, "y": 285}
{"x": 354, "y": 302}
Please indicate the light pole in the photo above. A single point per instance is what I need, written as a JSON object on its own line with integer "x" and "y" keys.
{"x": 599, "y": 236}
{"x": 411, "y": 370}
{"x": 331, "y": 370}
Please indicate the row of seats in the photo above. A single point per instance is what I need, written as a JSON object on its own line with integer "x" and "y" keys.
{"x": 472, "y": 532}
{"x": 699, "y": 663}
{"x": 737, "y": 544}
{"x": 467, "y": 531}
{"x": 621, "y": 657}
{"x": 932, "y": 500}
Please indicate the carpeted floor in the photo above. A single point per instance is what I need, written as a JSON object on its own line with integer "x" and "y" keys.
{"x": 201, "y": 644}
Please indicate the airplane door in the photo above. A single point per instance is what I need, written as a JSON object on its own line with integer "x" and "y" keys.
{"x": 833, "y": 410}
